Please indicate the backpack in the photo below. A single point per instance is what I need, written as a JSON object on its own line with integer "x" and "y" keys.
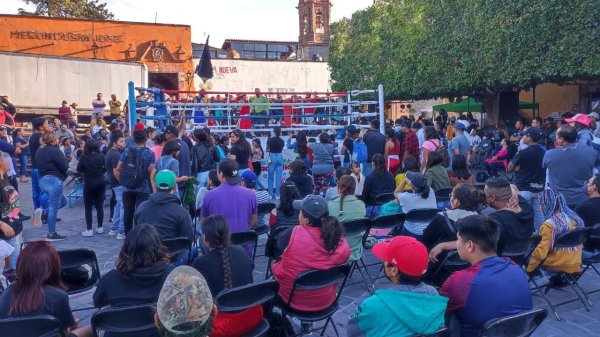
{"x": 359, "y": 151}
{"x": 443, "y": 151}
{"x": 133, "y": 173}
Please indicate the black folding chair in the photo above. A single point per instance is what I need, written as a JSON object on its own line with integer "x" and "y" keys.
{"x": 79, "y": 270}
{"x": 242, "y": 298}
{"x": 277, "y": 242}
{"x": 451, "y": 263}
{"x": 589, "y": 262}
{"x": 262, "y": 211}
{"x": 380, "y": 200}
{"x": 355, "y": 227}
{"x": 519, "y": 325}
{"x": 382, "y": 222}
{"x": 314, "y": 280}
{"x": 39, "y": 326}
{"x": 177, "y": 247}
{"x": 246, "y": 238}
{"x": 124, "y": 321}
{"x": 567, "y": 240}
{"x": 443, "y": 194}
{"x": 421, "y": 215}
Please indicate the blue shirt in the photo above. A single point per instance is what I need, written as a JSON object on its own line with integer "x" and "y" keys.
{"x": 461, "y": 143}
{"x": 147, "y": 159}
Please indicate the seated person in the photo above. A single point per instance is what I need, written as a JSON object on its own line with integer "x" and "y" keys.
{"x": 492, "y": 287}
{"x": 409, "y": 307}
{"x": 285, "y": 214}
{"x": 421, "y": 196}
{"x": 332, "y": 193}
{"x": 559, "y": 220}
{"x": 299, "y": 176}
{"x": 316, "y": 243}
{"x": 436, "y": 173}
{"x": 142, "y": 267}
{"x": 216, "y": 268}
{"x": 499, "y": 161}
{"x": 38, "y": 289}
{"x": 249, "y": 180}
{"x": 588, "y": 211}
{"x": 410, "y": 164}
{"x": 348, "y": 207}
{"x": 379, "y": 181}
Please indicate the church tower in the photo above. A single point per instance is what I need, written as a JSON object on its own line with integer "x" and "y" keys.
{"x": 314, "y": 29}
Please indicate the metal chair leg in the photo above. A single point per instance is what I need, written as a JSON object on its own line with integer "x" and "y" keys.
{"x": 573, "y": 283}
{"x": 537, "y": 287}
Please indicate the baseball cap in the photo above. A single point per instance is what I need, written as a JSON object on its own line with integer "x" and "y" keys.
{"x": 171, "y": 129}
{"x": 165, "y": 180}
{"x": 231, "y": 171}
{"x": 579, "y": 118}
{"x": 406, "y": 253}
{"x": 312, "y": 206}
{"x": 406, "y": 123}
{"x": 184, "y": 303}
{"x": 249, "y": 177}
{"x": 139, "y": 126}
{"x": 459, "y": 126}
{"x": 534, "y": 133}
{"x": 417, "y": 180}
{"x": 594, "y": 115}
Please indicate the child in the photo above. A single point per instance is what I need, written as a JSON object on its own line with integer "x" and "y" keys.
{"x": 168, "y": 162}
{"x": 360, "y": 179}
{"x": 257, "y": 156}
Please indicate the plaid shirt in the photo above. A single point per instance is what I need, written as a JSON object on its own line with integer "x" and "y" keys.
{"x": 410, "y": 144}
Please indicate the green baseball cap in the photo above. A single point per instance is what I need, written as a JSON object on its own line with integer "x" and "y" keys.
{"x": 165, "y": 180}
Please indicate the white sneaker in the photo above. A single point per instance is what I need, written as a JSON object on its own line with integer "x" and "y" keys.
{"x": 37, "y": 217}
{"x": 88, "y": 232}
{"x": 121, "y": 236}
{"x": 113, "y": 232}
{"x": 100, "y": 230}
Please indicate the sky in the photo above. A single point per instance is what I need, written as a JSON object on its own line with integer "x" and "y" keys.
{"x": 241, "y": 19}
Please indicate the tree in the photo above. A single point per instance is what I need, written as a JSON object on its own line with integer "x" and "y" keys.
{"x": 423, "y": 49}
{"x": 80, "y": 9}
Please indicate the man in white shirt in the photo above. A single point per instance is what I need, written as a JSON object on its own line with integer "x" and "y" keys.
{"x": 99, "y": 104}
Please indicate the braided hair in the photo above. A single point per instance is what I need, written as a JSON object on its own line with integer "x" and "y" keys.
{"x": 558, "y": 214}
{"x": 216, "y": 233}
{"x": 346, "y": 186}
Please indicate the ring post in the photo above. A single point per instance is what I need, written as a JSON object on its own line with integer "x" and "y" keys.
{"x": 131, "y": 109}
{"x": 381, "y": 110}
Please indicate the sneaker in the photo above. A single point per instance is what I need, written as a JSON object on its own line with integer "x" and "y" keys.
{"x": 24, "y": 217}
{"x": 110, "y": 220}
{"x": 121, "y": 236}
{"x": 113, "y": 232}
{"x": 37, "y": 217}
{"x": 88, "y": 232}
{"x": 45, "y": 218}
{"x": 54, "y": 237}
{"x": 100, "y": 230}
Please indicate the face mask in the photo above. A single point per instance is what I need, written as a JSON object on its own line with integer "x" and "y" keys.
{"x": 398, "y": 129}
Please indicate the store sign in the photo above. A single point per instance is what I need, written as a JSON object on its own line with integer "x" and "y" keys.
{"x": 55, "y": 36}
{"x": 225, "y": 70}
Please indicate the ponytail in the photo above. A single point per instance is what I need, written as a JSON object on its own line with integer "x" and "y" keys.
{"x": 331, "y": 232}
{"x": 224, "y": 253}
{"x": 425, "y": 192}
{"x": 347, "y": 186}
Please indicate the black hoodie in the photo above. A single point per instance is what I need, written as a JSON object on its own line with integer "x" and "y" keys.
{"x": 163, "y": 211}
{"x": 515, "y": 228}
{"x": 142, "y": 286}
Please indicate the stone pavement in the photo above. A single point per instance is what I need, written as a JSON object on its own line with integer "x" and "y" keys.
{"x": 576, "y": 321}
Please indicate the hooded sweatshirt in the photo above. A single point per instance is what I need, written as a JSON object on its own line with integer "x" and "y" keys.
{"x": 163, "y": 211}
{"x": 515, "y": 228}
{"x": 400, "y": 311}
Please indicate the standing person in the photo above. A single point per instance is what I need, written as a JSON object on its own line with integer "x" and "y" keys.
{"x": 375, "y": 143}
{"x": 581, "y": 123}
{"x": 322, "y": 164}
{"x": 460, "y": 144}
{"x": 223, "y": 147}
{"x": 300, "y": 146}
{"x": 40, "y": 126}
{"x": 431, "y": 144}
{"x": 53, "y": 171}
{"x": 99, "y": 104}
{"x": 20, "y": 142}
{"x": 530, "y": 176}
{"x": 115, "y": 106}
{"x": 244, "y": 123}
{"x": 240, "y": 149}
{"x": 275, "y": 146}
{"x": 260, "y": 108}
{"x": 204, "y": 157}
{"x": 64, "y": 112}
{"x": 159, "y": 143}
{"x": 184, "y": 157}
{"x": 168, "y": 162}
{"x": 117, "y": 144}
{"x": 588, "y": 211}
{"x": 570, "y": 165}
{"x": 392, "y": 151}
{"x": 410, "y": 142}
{"x": 93, "y": 165}
{"x": 348, "y": 145}
{"x": 258, "y": 154}
{"x": 133, "y": 172}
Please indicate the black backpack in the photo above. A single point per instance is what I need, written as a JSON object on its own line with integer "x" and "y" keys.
{"x": 133, "y": 173}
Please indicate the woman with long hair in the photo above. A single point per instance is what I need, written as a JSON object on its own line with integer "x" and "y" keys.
{"x": 460, "y": 172}
{"x": 77, "y": 153}
{"x": 348, "y": 207}
{"x": 299, "y": 176}
{"x": 300, "y": 146}
{"x": 322, "y": 168}
{"x": 559, "y": 219}
{"x": 391, "y": 151}
{"x": 316, "y": 243}
{"x": 38, "y": 289}
{"x": 275, "y": 146}
{"x": 409, "y": 164}
{"x": 258, "y": 154}
{"x": 379, "y": 181}
{"x": 435, "y": 172}
{"x": 93, "y": 166}
{"x": 223, "y": 147}
{"x": 226, "y": 266}
{"x": 204, "y": 156}
{"x": 285, "y": 214}
{"x": 431, "y": 144}
{"x": 420, "y": 196}
{"x": 141, "y": 268}
{"x": 240, "y": 149}
{"x": 159, "y": 143}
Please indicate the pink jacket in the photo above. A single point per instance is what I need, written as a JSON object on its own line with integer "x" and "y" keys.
{"x": 306, "y": 252}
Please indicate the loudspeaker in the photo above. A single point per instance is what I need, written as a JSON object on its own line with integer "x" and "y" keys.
{"x": 509, "y": 107}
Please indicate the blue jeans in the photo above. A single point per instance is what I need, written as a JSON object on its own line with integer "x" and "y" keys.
{"x": 16, "y": 243}
{"x": 40, "y": 199}
{"x": 202, "y": 178}
{"x": 366, "y": 169}
{"x": 275, "y": 172}
{"x": 534, "y": 201}
{"x": 23, "y": 160}
{"x": 118, "y": 223}
{"x": 53, "y": 187}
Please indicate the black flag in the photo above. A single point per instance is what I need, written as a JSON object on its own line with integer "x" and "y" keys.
{"x": 204, "y": 68}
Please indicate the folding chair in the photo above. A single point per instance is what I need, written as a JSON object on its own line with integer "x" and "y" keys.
{"x": 127, "y": 320}
{"x": 246, "y": 238}
{"x": 587, "y": 263}
{"x": 381, "y": 222}
{"x": 355, "y": 227}
{"x": 421, "y": 215}
{"x": 314, "y": 280}
{"x": 177, "y": 247}
{"x": 380, "y": 200}
{"x": 39, "y": 325}
{"x": 242, "y": 298}
{"x": 519, "y": 325}
{"x": 277, "y": 242}
{"x": 570, "y": 239}
{"x": 263, "y": 210}
{"x": 451, "y": 263}
{"x": 79, "y": 270}
{"x": 443, "y": 194}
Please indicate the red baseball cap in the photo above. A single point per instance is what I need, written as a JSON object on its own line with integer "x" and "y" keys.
{"x": 139, "y": 126}
{"x": 406, "y": 253}
{"x": 580, "y": 118}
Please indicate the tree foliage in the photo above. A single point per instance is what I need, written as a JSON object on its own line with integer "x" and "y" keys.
{"x": 80, "y": 9}
{"x": 423, "y": 49}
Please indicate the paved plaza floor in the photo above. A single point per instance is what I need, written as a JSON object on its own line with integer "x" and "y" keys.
{"x": 576, "y": 321}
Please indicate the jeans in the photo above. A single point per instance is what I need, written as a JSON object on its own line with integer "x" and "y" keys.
{"x": 93, "y": 197}
{"x": 53, "y": 187}
{"x": 118, "y": 214}
{"x": 367, "y": 168}
{"x": 23, "y": 160}
{"x": 16, "y": 243}
{"x": 534, "y": 201}
{"x": 275, "y": 172}
{"x": 202, "y": 178}
{"x": 131, "y": 200}
{"x": 39, "y": 197}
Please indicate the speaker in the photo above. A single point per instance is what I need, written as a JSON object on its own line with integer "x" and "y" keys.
{"x": 509, "y": 107}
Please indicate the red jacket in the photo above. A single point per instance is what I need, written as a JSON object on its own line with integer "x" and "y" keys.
{"x": 306, "y": 251}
